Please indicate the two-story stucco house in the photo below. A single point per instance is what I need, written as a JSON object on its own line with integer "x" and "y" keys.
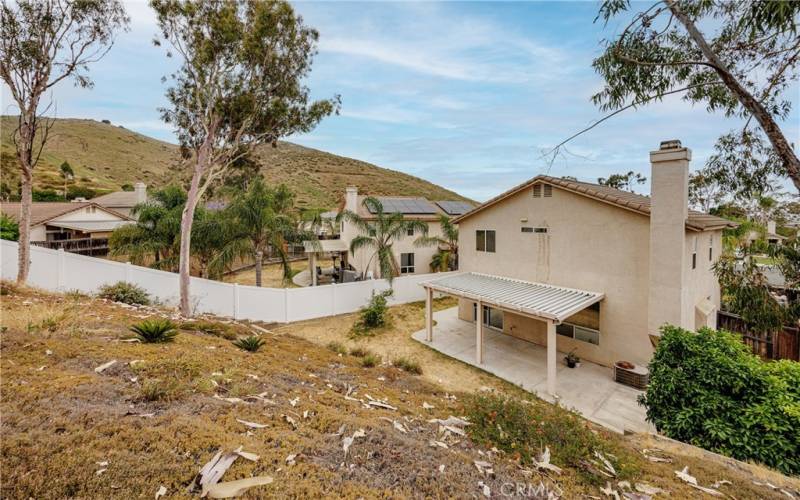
{"x": 584, "y": 267}
{"x": 411, "y": 259}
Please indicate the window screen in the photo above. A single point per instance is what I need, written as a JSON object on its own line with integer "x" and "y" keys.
{"x": 480, "y": 241}
{"x": 490, "y": 241}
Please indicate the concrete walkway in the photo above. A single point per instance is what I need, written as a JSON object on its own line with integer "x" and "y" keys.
{"x": 589, "y": 389}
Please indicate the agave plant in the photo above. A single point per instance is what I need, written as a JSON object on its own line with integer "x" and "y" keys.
{"x": 250, "y": 344}
{"x": 155, "y": 330}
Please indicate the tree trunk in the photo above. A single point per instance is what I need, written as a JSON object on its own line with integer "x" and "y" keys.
{"x": 259, "y": 257}
{"x": 187, "y": 219}
{"x": 25, "y": 157}
{"x": 782, "y": 147}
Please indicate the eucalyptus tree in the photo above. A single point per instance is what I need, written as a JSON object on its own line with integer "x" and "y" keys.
{"x": 260, "y": 223}
{"x": 739, "y": 58}
{"x": 446, "y": 258}
{"x": 43, "y": 42}
{"x": 378, "y": 234}
{"x": 239, "y": 85}
{"x": 623, "y": 181}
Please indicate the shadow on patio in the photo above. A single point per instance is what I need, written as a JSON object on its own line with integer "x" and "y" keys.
{"x": 589, "y": 389}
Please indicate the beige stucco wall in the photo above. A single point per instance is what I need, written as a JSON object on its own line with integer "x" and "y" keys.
{"x": 405, "y": 244}
{"x": 38, "y": 233}
{"x": 364, "y": 257}
{"x": 84, "y": 214}
{"x": 589, "y": 245}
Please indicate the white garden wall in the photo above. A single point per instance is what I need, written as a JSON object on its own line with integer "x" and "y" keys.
{"x": 57, "y": 270}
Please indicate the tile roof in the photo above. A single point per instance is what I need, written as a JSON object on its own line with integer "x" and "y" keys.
{"x": 42, "y": 212}
{"x": 117, "y": 199}
{"x": 697, "y": 221}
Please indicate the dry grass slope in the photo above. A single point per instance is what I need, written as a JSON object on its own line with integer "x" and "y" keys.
{"x": 153, "y": 418}
{"x": 105, "y": 156}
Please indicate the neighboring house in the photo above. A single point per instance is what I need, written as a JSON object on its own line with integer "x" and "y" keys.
{"x": 584, "y": 267}
{"x": 411, "y": 259}
{"x": 78, "y": 226}
{"x": 122, "y": 202}
{"x": 771, "y": 235}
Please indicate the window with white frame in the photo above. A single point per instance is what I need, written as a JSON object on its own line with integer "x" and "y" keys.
{"x": 406, "y": 263}
{"x": 485, "y": 240}
{"x": 579, "y": 333}
{"x": 711, "y": 248}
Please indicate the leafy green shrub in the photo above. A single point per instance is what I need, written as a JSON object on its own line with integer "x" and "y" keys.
{"x": 524, "y": 428}
{"x": 707, "y": 389}
{"x": 9, "y": 229}
{"x": 370, "y": 360}
{"x": 124, "y": 292}
{"x": 337, "y": 347}
{"x": 250, "y": 344}
{"x": 409, "y": 365}
{"x": 373, "y": 315}
{"x": 155, "y": 330}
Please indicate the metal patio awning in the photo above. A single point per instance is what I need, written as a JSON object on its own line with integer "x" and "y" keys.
{"x": 325, "y": 246}
{"x": 534, "y": 299}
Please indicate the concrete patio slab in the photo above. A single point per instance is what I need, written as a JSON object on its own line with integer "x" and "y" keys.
{"x": 588, "y": 389}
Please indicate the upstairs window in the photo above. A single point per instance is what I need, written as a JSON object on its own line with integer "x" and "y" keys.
{"x": 485, "y": 240}
{"x": 711, "y": 248}
{"x": 542, "y": 190}
{"x": 527, "y": 229}
{"x": 410, "y": 231}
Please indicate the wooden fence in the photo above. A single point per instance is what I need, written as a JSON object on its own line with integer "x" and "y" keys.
{"x": 782, "y": 344}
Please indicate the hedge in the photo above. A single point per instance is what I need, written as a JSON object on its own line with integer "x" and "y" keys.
{"x": 708, "y": 389}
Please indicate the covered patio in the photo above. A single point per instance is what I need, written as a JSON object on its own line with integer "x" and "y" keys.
{"x": 590, "y": 388}
{"x": 335, "y": 249}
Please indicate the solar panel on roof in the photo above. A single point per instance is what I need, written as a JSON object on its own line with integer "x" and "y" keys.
{"x": 406, "y": 206}
{"x": 455, "y": 207}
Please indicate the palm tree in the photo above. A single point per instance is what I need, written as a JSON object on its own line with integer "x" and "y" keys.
{"x": 67, "y": 174}
{"x": 262, "y": 220}
{"x": 446, "y": 259}
{"x": 378, "y": 235}
{"x": 210, "y": 233}
{"x": 155, "y": 235}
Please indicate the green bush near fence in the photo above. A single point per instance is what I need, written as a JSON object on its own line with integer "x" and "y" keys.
{"x": 708, "y": 389}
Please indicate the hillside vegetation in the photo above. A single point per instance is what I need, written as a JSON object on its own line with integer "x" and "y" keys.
{"x": 105, "y": 156}
{"x": 90, "y": 413}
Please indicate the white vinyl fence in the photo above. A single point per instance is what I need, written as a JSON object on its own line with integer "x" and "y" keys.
{"x": 57, "y": 270}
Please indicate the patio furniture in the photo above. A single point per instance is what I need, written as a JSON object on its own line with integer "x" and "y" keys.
{"x": 636, "y": 377}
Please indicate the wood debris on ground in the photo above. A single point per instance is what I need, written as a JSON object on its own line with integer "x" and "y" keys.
{"x": 684, "y": 475}
{"x": 105, "y": 366}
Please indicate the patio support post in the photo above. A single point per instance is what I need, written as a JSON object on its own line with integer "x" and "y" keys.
{"x": 551, "y": 358}
{"x": 312, "y": 267}
{"x": 479, "y": 334}
{"x": 428, "y": 314}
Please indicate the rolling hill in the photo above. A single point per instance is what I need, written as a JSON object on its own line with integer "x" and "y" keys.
{"x": 106, "y": 156}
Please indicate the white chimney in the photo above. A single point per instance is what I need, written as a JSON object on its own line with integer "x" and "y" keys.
{"x": 141, "y": 192}
{"x": 351, "y": 198}
{"x": 771, "y": 227}
{"x": 669, "y": 193}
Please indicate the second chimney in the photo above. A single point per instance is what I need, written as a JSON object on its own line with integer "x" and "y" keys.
{"x": 669, "y": 208}
{"x": 141, "y": 192}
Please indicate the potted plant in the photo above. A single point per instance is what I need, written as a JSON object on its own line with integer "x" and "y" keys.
{"x": 572, "y": 359}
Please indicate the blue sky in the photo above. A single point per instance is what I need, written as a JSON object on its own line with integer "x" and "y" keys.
{"x": 466, "y": 95}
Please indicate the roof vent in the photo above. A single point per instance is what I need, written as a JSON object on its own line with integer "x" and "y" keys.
{"x": 672, "y": 144}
